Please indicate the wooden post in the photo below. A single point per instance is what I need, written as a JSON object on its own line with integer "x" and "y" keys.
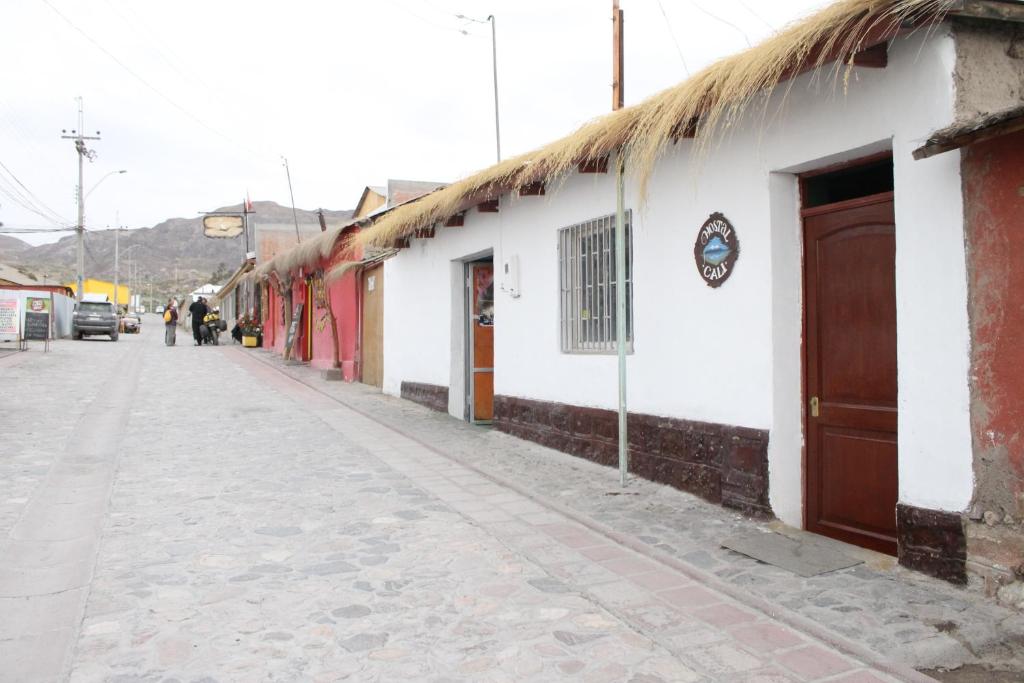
{"x": 335, "y": 341}
{"x": 618, "y": 62}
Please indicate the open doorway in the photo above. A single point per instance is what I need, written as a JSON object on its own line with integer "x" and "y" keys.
{"x": 480, "y": 338}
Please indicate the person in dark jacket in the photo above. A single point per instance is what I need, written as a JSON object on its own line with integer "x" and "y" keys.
{"x": 236, "y": 331}
{"x": 198, "y": 311}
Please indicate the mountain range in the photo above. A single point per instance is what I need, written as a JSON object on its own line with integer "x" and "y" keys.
{"x": 174, "y": 255}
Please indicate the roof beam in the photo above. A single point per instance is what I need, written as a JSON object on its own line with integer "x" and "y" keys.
{"x": 598, "y": 165}
{"x": 1000, "y": 10}
{"x": 875, "y": 57}
{"x": 456, "y": 221}
{"x": 488, "y": 206}
{"x": 533, "y": 189}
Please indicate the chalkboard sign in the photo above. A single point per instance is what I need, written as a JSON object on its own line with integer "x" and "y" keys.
{"x": 292, "y": 329}
{"x": 37, "y": 326}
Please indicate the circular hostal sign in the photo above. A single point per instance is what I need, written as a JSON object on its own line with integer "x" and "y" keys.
{"x": 716, "y": 250}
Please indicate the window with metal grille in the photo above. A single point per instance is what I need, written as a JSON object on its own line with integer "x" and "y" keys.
{"x": 586, "y": 261}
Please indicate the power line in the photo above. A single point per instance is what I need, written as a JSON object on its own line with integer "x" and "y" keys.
{"x": 716, "y": 18}
{"x": 53, "y": 215}
{"x": 672, "y": 34}
{"x": 153, "y": 88}
{"x": 16, "y": 230}
{"x": 155, "y": 43}
{"x": 424, "y": 20}
{"x": 17, "y": 198}
{"x": 756, "y": 15}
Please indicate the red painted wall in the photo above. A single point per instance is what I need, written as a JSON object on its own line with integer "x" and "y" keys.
{"x": 343, "y": 293}
{"x": 993, "y": 180}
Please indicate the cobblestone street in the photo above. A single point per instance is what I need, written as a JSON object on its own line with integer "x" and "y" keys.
{"x": 199, "y": 514}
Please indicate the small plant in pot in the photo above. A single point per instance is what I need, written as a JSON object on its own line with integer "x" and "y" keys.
{"x": 252, "y": 332}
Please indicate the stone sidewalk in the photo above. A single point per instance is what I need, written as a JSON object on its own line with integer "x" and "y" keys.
{"x": 255, "y": 523}
{"x": 876, "y": 609}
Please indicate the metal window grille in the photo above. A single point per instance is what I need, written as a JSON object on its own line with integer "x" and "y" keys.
{"x": 586, "y": 260}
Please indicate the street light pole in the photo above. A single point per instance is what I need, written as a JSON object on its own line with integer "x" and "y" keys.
{"x": 117, "y": 234}
{"x": 131, "y": 263}
{"x": 494, "y": 64}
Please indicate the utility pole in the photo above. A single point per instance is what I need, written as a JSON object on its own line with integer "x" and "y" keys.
{"x": 295, "y": 216}
{"x": 621, "y": 291}
{"x": 117, "y": 262}
{"x": 618, "y": 61}
{"x": 79, "y": 137}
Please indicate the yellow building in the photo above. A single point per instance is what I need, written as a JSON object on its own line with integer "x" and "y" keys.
{"x": 93, "y": 286}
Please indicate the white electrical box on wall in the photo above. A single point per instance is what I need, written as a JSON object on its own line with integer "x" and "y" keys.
{"x": 510, "y": 276}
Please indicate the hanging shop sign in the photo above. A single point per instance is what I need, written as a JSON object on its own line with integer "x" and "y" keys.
{"x": 223, "y": 225}
{"x": 716, "y": 250}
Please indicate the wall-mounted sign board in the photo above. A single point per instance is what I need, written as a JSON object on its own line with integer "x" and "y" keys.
{"x": 716, "y": 249}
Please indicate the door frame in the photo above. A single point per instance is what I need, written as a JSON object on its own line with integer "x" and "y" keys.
{"x": 805, "y": 394}
{"x": 468, "y": 328}
{"x": 308, "y": 312}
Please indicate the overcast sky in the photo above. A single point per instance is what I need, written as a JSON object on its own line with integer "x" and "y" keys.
{"x": 199, "y": 99}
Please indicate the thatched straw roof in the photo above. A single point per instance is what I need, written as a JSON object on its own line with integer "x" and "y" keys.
{"x": 303, "y": 254}
{"x": 338, "y": 271}
{"x": 703, "y": 105}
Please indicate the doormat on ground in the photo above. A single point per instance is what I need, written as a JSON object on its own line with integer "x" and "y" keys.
{"x": 807, "y": 556}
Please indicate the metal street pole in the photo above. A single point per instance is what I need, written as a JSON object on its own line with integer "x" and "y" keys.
{"x": 621, "y": 291}
{"x": 295, "y": 216}
{"x": 494, "y": 63}
{"x": 117, "y": 256}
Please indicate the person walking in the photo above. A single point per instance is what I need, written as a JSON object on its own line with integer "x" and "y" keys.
{"x": 198, "y": 311}
{"x": 170, "y": 322}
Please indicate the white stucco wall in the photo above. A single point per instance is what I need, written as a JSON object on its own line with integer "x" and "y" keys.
{"x": 729, "y": 355}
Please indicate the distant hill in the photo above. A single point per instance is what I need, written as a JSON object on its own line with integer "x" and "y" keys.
{"x": 9, "y": 246}
{"x": 174, "y": 254}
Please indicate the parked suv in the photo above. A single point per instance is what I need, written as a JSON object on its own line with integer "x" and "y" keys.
{"x": 94, "y": 317}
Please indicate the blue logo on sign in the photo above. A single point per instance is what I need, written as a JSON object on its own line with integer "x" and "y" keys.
{"x": 716, "y": 251}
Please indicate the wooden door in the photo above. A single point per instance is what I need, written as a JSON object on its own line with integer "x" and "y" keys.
{"x": 850, "y": 369}
{"x": 372, "y": 341}
{"x": 481, "y": 348}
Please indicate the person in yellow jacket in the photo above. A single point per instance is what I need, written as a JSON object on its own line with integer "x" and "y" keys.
{"x": 170, "y": 322}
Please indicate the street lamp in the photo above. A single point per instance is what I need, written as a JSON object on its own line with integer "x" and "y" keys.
{"x": 126, "y": 251}
{"x": 104, "y": 178}
{"x": 494, "y": 62}
{"x": 81, "y": 225}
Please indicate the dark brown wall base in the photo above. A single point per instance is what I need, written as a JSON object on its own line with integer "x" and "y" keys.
{"x": 430, "y": 395}
{"x": 723, "y": 464}
{"x": 932, "y": 542}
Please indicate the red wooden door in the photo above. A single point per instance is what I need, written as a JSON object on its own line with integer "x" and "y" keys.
{"x": 481, "y": 325}
{"x": 850, "y": 366}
